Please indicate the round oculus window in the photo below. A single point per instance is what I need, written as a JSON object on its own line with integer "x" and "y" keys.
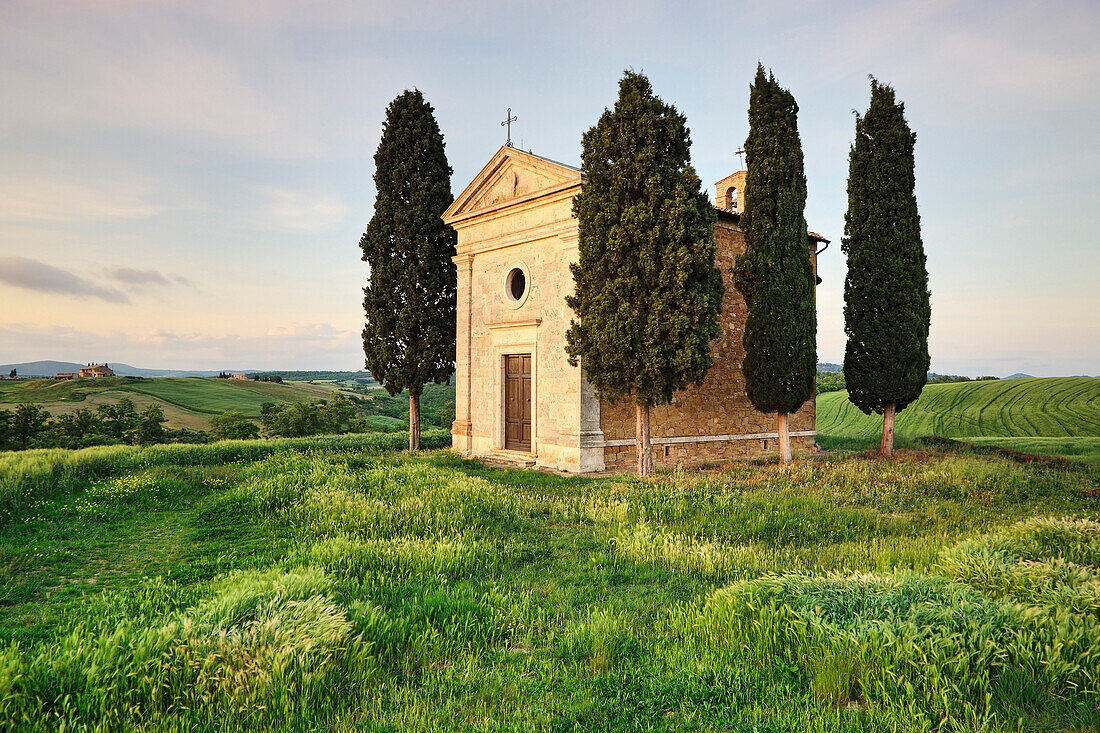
{"x": 517, "y": 284}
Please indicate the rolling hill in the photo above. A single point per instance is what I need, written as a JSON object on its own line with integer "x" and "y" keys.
{"x": 187, "y": 401}
{"x": 1059, "y": 413}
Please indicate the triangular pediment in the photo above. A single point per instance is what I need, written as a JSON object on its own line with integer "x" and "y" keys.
{"x": 511, "y": 175}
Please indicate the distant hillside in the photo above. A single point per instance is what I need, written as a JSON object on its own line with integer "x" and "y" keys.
{"x": 826, "y": 366}
{"x": 39, "y": 368}
{"x": 1046, "y": 407}
{"x": 1019, "y": 375}
{"x": 48, "y": 368}
{"x": 187, "y": 402}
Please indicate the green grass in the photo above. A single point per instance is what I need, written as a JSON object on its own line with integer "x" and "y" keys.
{"x": 337, "y": 584}
{"x": 1061, "y": 407}
{"x": 212, "y": 396}
{"x": 49, "y": 390}
{"x": 8, "y": 386}
{"x": 1077, "y": 449}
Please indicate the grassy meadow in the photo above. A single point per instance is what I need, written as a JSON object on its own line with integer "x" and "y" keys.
{"x": 339, "y": 584}
{"x": 1048, "y": 416}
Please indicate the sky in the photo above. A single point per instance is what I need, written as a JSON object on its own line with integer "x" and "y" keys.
{"x": 184, "y": 185}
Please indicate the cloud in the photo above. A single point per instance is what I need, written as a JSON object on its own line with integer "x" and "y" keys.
{"x": 35, "y": 197}
{"x": 301, "y": 346}
{"x": 23, "y": 272}
{"x": 298, "y": 211}
{"x": 136, "y": 68}
{"x": 312, "y": 332}
{"x": 143, "y": 278}
{"x": 277, "y": 338}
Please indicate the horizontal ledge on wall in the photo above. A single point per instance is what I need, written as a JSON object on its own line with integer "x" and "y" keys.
{"x": 708, "y": 438}
{"x": 514, "y": 324}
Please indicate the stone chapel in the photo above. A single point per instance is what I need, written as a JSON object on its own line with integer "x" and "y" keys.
{"x": 517, "y": 398}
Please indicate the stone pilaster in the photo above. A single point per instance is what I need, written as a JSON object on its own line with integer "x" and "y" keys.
{"x": 461, "y": 429}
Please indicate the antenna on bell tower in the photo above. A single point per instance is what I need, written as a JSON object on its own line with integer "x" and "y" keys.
{"x": 740, "y": 153}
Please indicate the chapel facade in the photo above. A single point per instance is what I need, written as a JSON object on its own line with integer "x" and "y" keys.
{"x": 517, "y": 398}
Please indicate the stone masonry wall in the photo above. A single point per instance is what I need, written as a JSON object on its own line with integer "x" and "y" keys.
{"x": 717, "y": 407}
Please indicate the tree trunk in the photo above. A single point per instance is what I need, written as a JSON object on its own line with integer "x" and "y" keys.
{"x": 414, "y": 421}
{"x": 886, "y": 447}
{"x": 642, "y": 442}
{"x": 784, "y": 439}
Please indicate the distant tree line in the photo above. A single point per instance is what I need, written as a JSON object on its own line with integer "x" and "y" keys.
{"x": 255, "y": 377}
{"x": 437, "y": 404}
{"x": 831, "y": 381}
{"x": 342, "y": 413}
{"x": 948, "y": 378}
{"x": 30, "y": 426}
{"x": 301, "y": 419}
{"x": 361, "y": 377}
{"x": 298, "y": 420}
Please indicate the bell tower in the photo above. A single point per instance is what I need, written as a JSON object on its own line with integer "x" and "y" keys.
{"x": 729, "y": 193}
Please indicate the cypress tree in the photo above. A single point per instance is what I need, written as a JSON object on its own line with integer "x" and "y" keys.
{"x": 647, "y": 293}
{"x": 409, "y": 337}
{"x": 775, "y": 274}
{"x": 887, "y": 308}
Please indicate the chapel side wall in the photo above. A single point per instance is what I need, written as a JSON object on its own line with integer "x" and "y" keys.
{"x": 717, "y": 407}
{"x": 498, "y": 326}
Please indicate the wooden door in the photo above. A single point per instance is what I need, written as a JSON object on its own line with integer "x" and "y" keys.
{"x": 517, "y": 402}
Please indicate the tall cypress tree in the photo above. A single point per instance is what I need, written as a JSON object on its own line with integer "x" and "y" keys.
{"x": 409, "y": 338}
{"x": 887, "y": 308}
{"x": 775, "y": 274}
{"x": 647, "y": 293}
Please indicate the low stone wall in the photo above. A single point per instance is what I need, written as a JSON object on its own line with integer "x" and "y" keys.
{"x": 699, "y": 453}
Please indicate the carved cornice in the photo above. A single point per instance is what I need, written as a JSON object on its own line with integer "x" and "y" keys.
{"x": 561, "y": 229}
{"x": 529, "y": 323}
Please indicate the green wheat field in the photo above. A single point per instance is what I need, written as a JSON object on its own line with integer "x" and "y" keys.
{"x": 341, "y": 584}
{"x": 1048, "y": 416}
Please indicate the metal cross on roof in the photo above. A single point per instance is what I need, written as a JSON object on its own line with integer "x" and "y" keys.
{"x": 509, "y": 119}
{"x": 739, "y": 153}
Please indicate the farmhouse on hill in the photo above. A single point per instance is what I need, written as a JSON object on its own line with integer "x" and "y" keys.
{"x": 95, "y": 370}
{"x": 517, "y": 398}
